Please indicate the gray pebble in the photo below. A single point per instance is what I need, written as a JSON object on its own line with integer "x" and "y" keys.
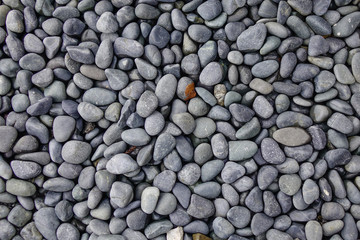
{"x": 253, "y": 38}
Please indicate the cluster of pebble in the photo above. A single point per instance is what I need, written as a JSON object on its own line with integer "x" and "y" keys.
{"x": 164, "y": 119}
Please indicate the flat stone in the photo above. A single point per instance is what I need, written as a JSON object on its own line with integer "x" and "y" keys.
{"x": 212, "y": 74}
{"x": 241, "y": 150}
{"x": 76, "y": 152}
{"x": 340, "y": 122}
{"x": 200, "y": 207}
{"x": 210, "y": 9}
{"x": 260, "y": 223}
{"x": 20, "y": 187}
{"x": 121, "y": 194}
{"x": 46, "y": 222}
{"x": 8, "y": 135}
{"x": 289, "y": 184}
{"x": 252, "y": 39}
{"x": 291, "y": 136}
{"x": 121, "y": 164}
{"x": 271, "y": 151}
{"x": 347, "y": 25}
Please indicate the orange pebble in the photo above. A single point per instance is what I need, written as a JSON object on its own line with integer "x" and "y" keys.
{"x": 190, "y": 91}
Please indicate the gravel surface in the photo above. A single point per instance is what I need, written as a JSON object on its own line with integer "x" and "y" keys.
{"x": 179, "y": 120}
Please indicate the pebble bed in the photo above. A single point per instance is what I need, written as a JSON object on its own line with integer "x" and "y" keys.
{"x": 172, "y": 120}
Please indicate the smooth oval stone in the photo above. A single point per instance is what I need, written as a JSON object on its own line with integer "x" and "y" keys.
{"x": 347, "y": 25}
{"x": 205, "y": 127}
{"x": 241, "y": 150}
{"x": 20, "y": 187}
{"x": 121, "y": 164}
{"x": 145, "y": 11}
{"x": 63, "y": 127}
{"x": 32, "y": 62}
{"x": 212, "y": 74}
{"x": 121, "y": 194}
{"x": 147, "y": 104}
{"x": 199, "y": 33}
{"x": 189, "y": 174}
{"x": 324, "y": 81}
{"x": 261, "y": 86}
{"x": 289, "y": 184}
{"x": 164, "y": 144}
{"x": 313, "y": 230}
{"x": 291, "y": 136}
{"x": 208, "y": 190}
{"x": 25, "y": 169}
{"x": 76, "y": 152}
{"x": 89, "y": 112}
{"x": 128, "y": 48}
{"x": 332, "y": 227}
{"x": 99, "y": 96}
{"x": 310, "y": 191}
{"x": 117, "y": 79}
{"x": 343, "y": 74}
{"x": 58, "y": 184}
{"x": 317, "y": 46}
{"x": 231, "y": 172}
{"x": 265, "y": 68}
{"x": 209, "y": 9}
{"x": 262, "y": 107}
{"x": 165, "y": 89}
{"x": 157, "y": 228}
{"x": 135, "y": 137}
{"x": 211, "y": 169}
{"x": 149, "y": 199}
{"x": 271, "y": 151}
{"x": 332, "y": 211}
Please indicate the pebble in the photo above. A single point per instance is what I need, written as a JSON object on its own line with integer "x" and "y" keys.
{"x": 253, "y": 38}
{"x": 212, "y": 74}
{"x": 128, "y": 47}
{"x": 241, "y": 150}
{"x": 346, "y": 125}
{"x": 75, "y": 152}
{"x": 147, "y": 104}
{"x": 8, "y": 135}
{"x": 260, "y": 223}
{"x": 343, "y": 74}
{"x": 271, "y": 152}
{"x": 343, "y": 28}
{"x": 210, "y": 9}
{"x": 121, "y": 194}
{"x": 46, "y": 222}
{"x": 200, "y": 207}
{"x": 292, "y": 136}
{"x": 265, "y": 68}
{"x": 289, "y": 184}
